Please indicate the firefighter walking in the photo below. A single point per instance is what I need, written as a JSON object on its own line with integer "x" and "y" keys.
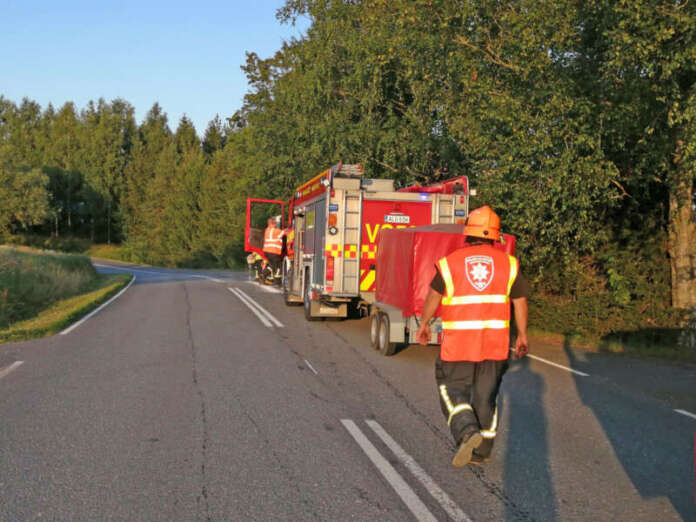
{"x": 273, "y": 246}
{"x": 474, "y": 287}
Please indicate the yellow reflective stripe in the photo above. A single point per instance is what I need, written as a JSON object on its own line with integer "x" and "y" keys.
{"x": 453, "y": 410}
{"x": 495, "y": 324}
{"x": 446, "y": 276}
{"x": 513, "y": 272}
{"x": 458, "y": 409}
{"x": 475, "y": 299}
{"x": 491, "y": 433}
{"x": 445, "y": 397}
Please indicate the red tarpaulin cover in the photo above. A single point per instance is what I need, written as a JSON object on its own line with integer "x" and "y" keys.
{"x": 406, "y": 259}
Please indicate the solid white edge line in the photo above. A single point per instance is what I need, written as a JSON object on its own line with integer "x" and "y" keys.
{"x": 311, "y": 367}
{"x": 687, "y": 413}
{"x": 409, "y": 497}
{"x": 450, "y": 507}
{"x": 6, "y": 371}
{"x": 536, "y": 358}
{"x": 262, "y": 309}
{"x": 265, "y": 321}
{"x": 206, "y": 277}
{"x": 96, "y": 311}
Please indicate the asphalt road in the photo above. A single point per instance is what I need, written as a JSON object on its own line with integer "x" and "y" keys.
{"x": 182, "y": 400}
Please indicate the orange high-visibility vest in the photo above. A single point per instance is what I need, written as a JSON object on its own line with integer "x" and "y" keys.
{"x": 475, "y": 308}
{"x": 273, "y": 240}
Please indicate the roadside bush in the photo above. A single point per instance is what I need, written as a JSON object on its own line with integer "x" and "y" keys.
{"x": 31, "y": 282}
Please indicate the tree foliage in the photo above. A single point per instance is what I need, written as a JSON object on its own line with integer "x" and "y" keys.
{"x": 575, "y": 120}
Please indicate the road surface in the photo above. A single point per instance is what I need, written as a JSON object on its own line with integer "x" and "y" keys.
{"x": 201, "y": 396}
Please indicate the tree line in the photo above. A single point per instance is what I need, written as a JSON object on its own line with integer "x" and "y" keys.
{"x": 574, "y": 120}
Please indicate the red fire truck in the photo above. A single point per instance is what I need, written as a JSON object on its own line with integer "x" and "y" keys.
{"x": 336, "y": 218}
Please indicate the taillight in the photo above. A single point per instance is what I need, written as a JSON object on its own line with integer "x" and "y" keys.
{"x": 330, "y": 269}
{"x": 333, "y": 219}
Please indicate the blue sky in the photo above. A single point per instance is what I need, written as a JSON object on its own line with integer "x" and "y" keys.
{"x": 184, "y": 55}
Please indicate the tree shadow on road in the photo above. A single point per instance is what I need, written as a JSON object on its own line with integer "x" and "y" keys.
{"x": 648, "y": 440}
{"x": 527, "y": 474}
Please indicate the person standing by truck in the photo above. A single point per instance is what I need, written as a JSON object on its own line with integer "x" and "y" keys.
{"x": 473, "y": 287}
{"x": 273, "y": 246}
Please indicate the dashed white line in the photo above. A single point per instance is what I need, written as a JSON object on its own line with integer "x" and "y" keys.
{"x": 94, "y": 312}
{"x": 409, "y": 497}
{"x": 12, "y": 367}
{"x": 536, "y": 358}
{"x": 260, "y": 308}
{"x": 687, "y": 413}
{"x": 258, "y": 314}
{"x": 450, "y": 507}
{"x": 311, "y": 367}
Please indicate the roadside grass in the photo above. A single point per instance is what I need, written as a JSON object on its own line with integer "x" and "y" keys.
{"x": 66, "y": 311}
{"x": 33, "y": 281}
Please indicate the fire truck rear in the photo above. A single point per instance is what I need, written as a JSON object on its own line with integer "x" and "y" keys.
{"x": 336, "y": 218}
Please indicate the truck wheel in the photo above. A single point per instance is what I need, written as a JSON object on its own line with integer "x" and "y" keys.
{"x": 308, "y": 300}
{"x": 374, "y": 330}
{"x": 386, "y": 347}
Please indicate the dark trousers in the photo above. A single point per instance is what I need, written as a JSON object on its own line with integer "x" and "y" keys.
{"x": 468, "y": 397}
{"x": 274, "y": 261}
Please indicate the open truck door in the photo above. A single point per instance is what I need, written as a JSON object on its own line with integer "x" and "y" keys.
{"x": 257, "y": 214}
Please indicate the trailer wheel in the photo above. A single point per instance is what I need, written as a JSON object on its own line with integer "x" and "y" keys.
{"x": 308, "y": 299}
{"x": 386, "y": 347}
{"x": 374, "y": 329}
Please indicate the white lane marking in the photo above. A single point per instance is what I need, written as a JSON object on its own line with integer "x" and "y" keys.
{"x": 415, "y": 504}
{"x": 208, "y": 278}
{"x": 161, "y": 274}
{"x": 536, "y": 358}
{"x": 687, "y": 413}
{"x": 258, "y": 314}
{"x": 10, "y": 368}
{"x": 311, "y": 367}
{"x": 262, "y": 309}
{"x": 450, "y": 507}
{"x": 96, "y": 311}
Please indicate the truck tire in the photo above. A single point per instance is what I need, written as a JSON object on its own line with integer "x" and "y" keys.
{"x": 307, "y": 299}
{"x": 375, "y": 320}
{"x": 386, "y": 347}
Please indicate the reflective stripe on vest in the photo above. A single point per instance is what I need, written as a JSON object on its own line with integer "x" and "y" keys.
{"x": 475, "y": 299}
{"x": 453, "y": 410}
{"x": 494, "y": 324}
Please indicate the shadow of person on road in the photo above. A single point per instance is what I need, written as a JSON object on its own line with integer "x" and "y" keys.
{"x": 527, "y": 474}
{"x": 656, "y": 453}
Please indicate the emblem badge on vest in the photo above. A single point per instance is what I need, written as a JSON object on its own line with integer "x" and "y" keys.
{"x": 479, "y": 271}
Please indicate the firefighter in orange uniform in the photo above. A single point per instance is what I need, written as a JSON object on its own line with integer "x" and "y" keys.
{"x": 273, "y": 246}
{"x": 474, "y": 287}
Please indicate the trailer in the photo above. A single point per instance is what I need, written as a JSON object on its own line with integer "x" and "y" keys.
{"x": 336, "y": 219}
{"x": 406, "y": 265}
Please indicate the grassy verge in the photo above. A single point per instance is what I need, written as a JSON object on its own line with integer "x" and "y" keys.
{"x": 66, "y": 311}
